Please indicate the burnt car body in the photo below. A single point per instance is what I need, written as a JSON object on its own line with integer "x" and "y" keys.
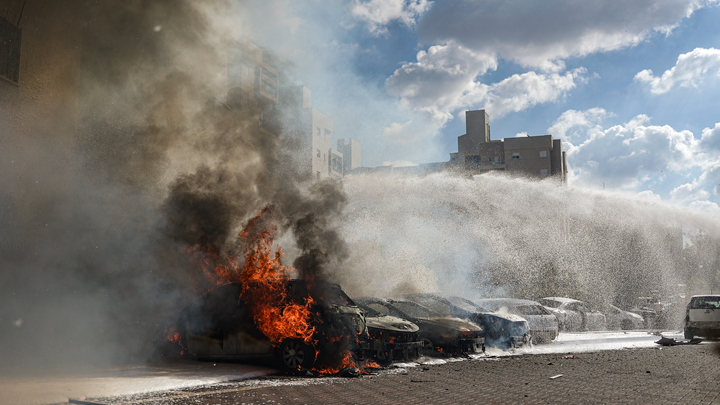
{"x": 501, "y": 330}
{"x": 616, "y": 318}
{"x": 219, "y": 327}
{"x": 542, "y": 324}
{"x": 574, "y": 315}
{"x": 444, "y": 334}
{"x": 390, "y": 338}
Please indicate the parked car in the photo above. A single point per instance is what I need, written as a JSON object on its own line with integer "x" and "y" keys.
{"x": 649, "y": 315}
{"x": 574, "y": 315}
{"x": 219, "y": 327}
{"x": 443, "y": 334}
{"x": 391, "y": 338}
{"x": 543, "y": 325}
{"x": 501, "y": 330}
{"x": 702, "y": 317}
{"x": 616, "y": 318}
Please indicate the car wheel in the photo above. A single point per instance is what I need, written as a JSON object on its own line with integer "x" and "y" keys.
{"x": 295, "y": 356}
{"x": 689, "y": 334}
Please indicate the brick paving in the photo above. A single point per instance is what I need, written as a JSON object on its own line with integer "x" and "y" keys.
{"x": 673, "y": 375}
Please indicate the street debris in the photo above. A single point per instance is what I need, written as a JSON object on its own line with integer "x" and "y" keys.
{"x": 555, "y": 377}
{"x": 665, "y": 341}
{"x": 572, "y": 356}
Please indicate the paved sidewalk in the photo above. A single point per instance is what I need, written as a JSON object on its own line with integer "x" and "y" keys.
{"x": 671, "y": 375}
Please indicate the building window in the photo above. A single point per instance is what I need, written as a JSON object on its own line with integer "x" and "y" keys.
{"x": 327, "y": 132}
{"x": 318, "y": 153}
{"x": 494, "y": 160}
{"x": 9, "y": 50}
{"x": 543, "y": 172}
{"x": 323, "y": 157}
{"x": 318, "y": 175}
{"x": 319, "y": 133}
{"x": 543, "y": 153}
{"x": 472, "y": 162}
{"x": 516, "y": 156}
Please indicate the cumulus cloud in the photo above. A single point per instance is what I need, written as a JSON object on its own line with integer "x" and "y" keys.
{"x": 711, "y": 138}
{"x": 542, "y": 34}
{"x": 689, "y": 192}
{"x": 690, "y": 70}
{"x": 444, "y": 79}
{"x": 629, "y": 152}
{"x": 573, "y": 124}
{"x": 377, "y": 14}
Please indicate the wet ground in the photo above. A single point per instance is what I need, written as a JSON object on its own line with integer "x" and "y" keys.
{"x": 593, "y": 366}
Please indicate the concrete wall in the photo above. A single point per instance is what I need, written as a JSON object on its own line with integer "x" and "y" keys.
{"x": 44, "y": 102}
{"x": 350, "y": 149}
{"x": 321, "y": 135}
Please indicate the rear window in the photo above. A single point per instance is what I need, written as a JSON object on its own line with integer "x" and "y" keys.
{"x": 705, "y": 303}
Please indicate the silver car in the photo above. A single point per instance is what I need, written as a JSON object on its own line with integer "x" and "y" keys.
{"x": 574, "y": 315}
{"x": 619, "y": 319}
{"x": 543, "y": 325}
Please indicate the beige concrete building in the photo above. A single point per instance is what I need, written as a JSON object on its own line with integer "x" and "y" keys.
{"x": 313, "y": 132}
{"x": 531, "y": 156}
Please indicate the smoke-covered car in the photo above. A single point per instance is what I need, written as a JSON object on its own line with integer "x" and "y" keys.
{"x": 390, "y": 338}
{"x": 542, "y": 324}
{"x": 574, "y": 315}
{"x": 219, "y": 327}
{"x": 616, "y": 318}
{"x": 501, "y": 330}
{"x": 444, "y": 334}
{"x": 702, "y": 317}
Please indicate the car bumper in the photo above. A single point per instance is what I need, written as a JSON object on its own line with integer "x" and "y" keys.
{"x": 472, "y": 345}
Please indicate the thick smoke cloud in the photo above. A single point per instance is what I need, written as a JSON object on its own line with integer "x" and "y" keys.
{"x": 98, "y": 218}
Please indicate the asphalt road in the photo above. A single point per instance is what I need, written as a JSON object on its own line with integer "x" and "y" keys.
{"x": 687, "y": 374}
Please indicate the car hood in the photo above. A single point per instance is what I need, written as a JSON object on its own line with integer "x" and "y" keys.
{"x": 390, "y": 323}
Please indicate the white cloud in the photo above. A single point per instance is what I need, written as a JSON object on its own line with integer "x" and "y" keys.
{"x": 690, "y": 70}
{"x": 626, "y": 154}
{"x": 444, "y": 79}
{"x": 705, "y": 206}
{"x": 542, "y": 34}
{"x": 689, "y": 192}
{"x": 572, "y": 123}
{"x": 711, "y": 138}
{"x": 377, "y": 14}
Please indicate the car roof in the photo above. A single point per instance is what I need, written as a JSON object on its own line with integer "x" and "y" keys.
{"x": 512, "y": 301}
{"x": 706, "y": 295}
{"x": 561, "y": 299}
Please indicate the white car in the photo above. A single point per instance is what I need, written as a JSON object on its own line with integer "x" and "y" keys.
{"x": 543, "y": 325}
{"x": 574, "y": 315}
{"x": 702, "y": 317}
{"x": 619, "y": 319}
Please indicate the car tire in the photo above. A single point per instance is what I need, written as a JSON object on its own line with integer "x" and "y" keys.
{"x": 295, "y": 357}
{"x": 689, "y": 334}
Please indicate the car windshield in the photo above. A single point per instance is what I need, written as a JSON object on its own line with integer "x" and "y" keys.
{"x": 374, "y": 310}
{"x": 705, "y": 303}
{"x": 465, "y": 304}
{"x": 551, "y": 303}
{"x": 530, "y": 310}
{"x": 436, "y": 305}
{"x": 414, "y": 310}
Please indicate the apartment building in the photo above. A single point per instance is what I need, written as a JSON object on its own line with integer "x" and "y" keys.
{"x": 530, "y": 156}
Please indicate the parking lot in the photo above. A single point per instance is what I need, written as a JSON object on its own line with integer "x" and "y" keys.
{"x": 659, "y": 375}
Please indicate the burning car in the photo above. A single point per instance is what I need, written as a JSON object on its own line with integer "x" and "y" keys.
{"x": 543, "y": 325}
{"x": 391, "y": 338}
{"x": 501, "y": 330}
{"x": 221, "y": 326}
{"x": 444, "y": 334}
{"x": 574, "y": 315}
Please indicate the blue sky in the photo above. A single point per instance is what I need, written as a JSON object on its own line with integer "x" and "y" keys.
{"x": 632, "y": 88}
